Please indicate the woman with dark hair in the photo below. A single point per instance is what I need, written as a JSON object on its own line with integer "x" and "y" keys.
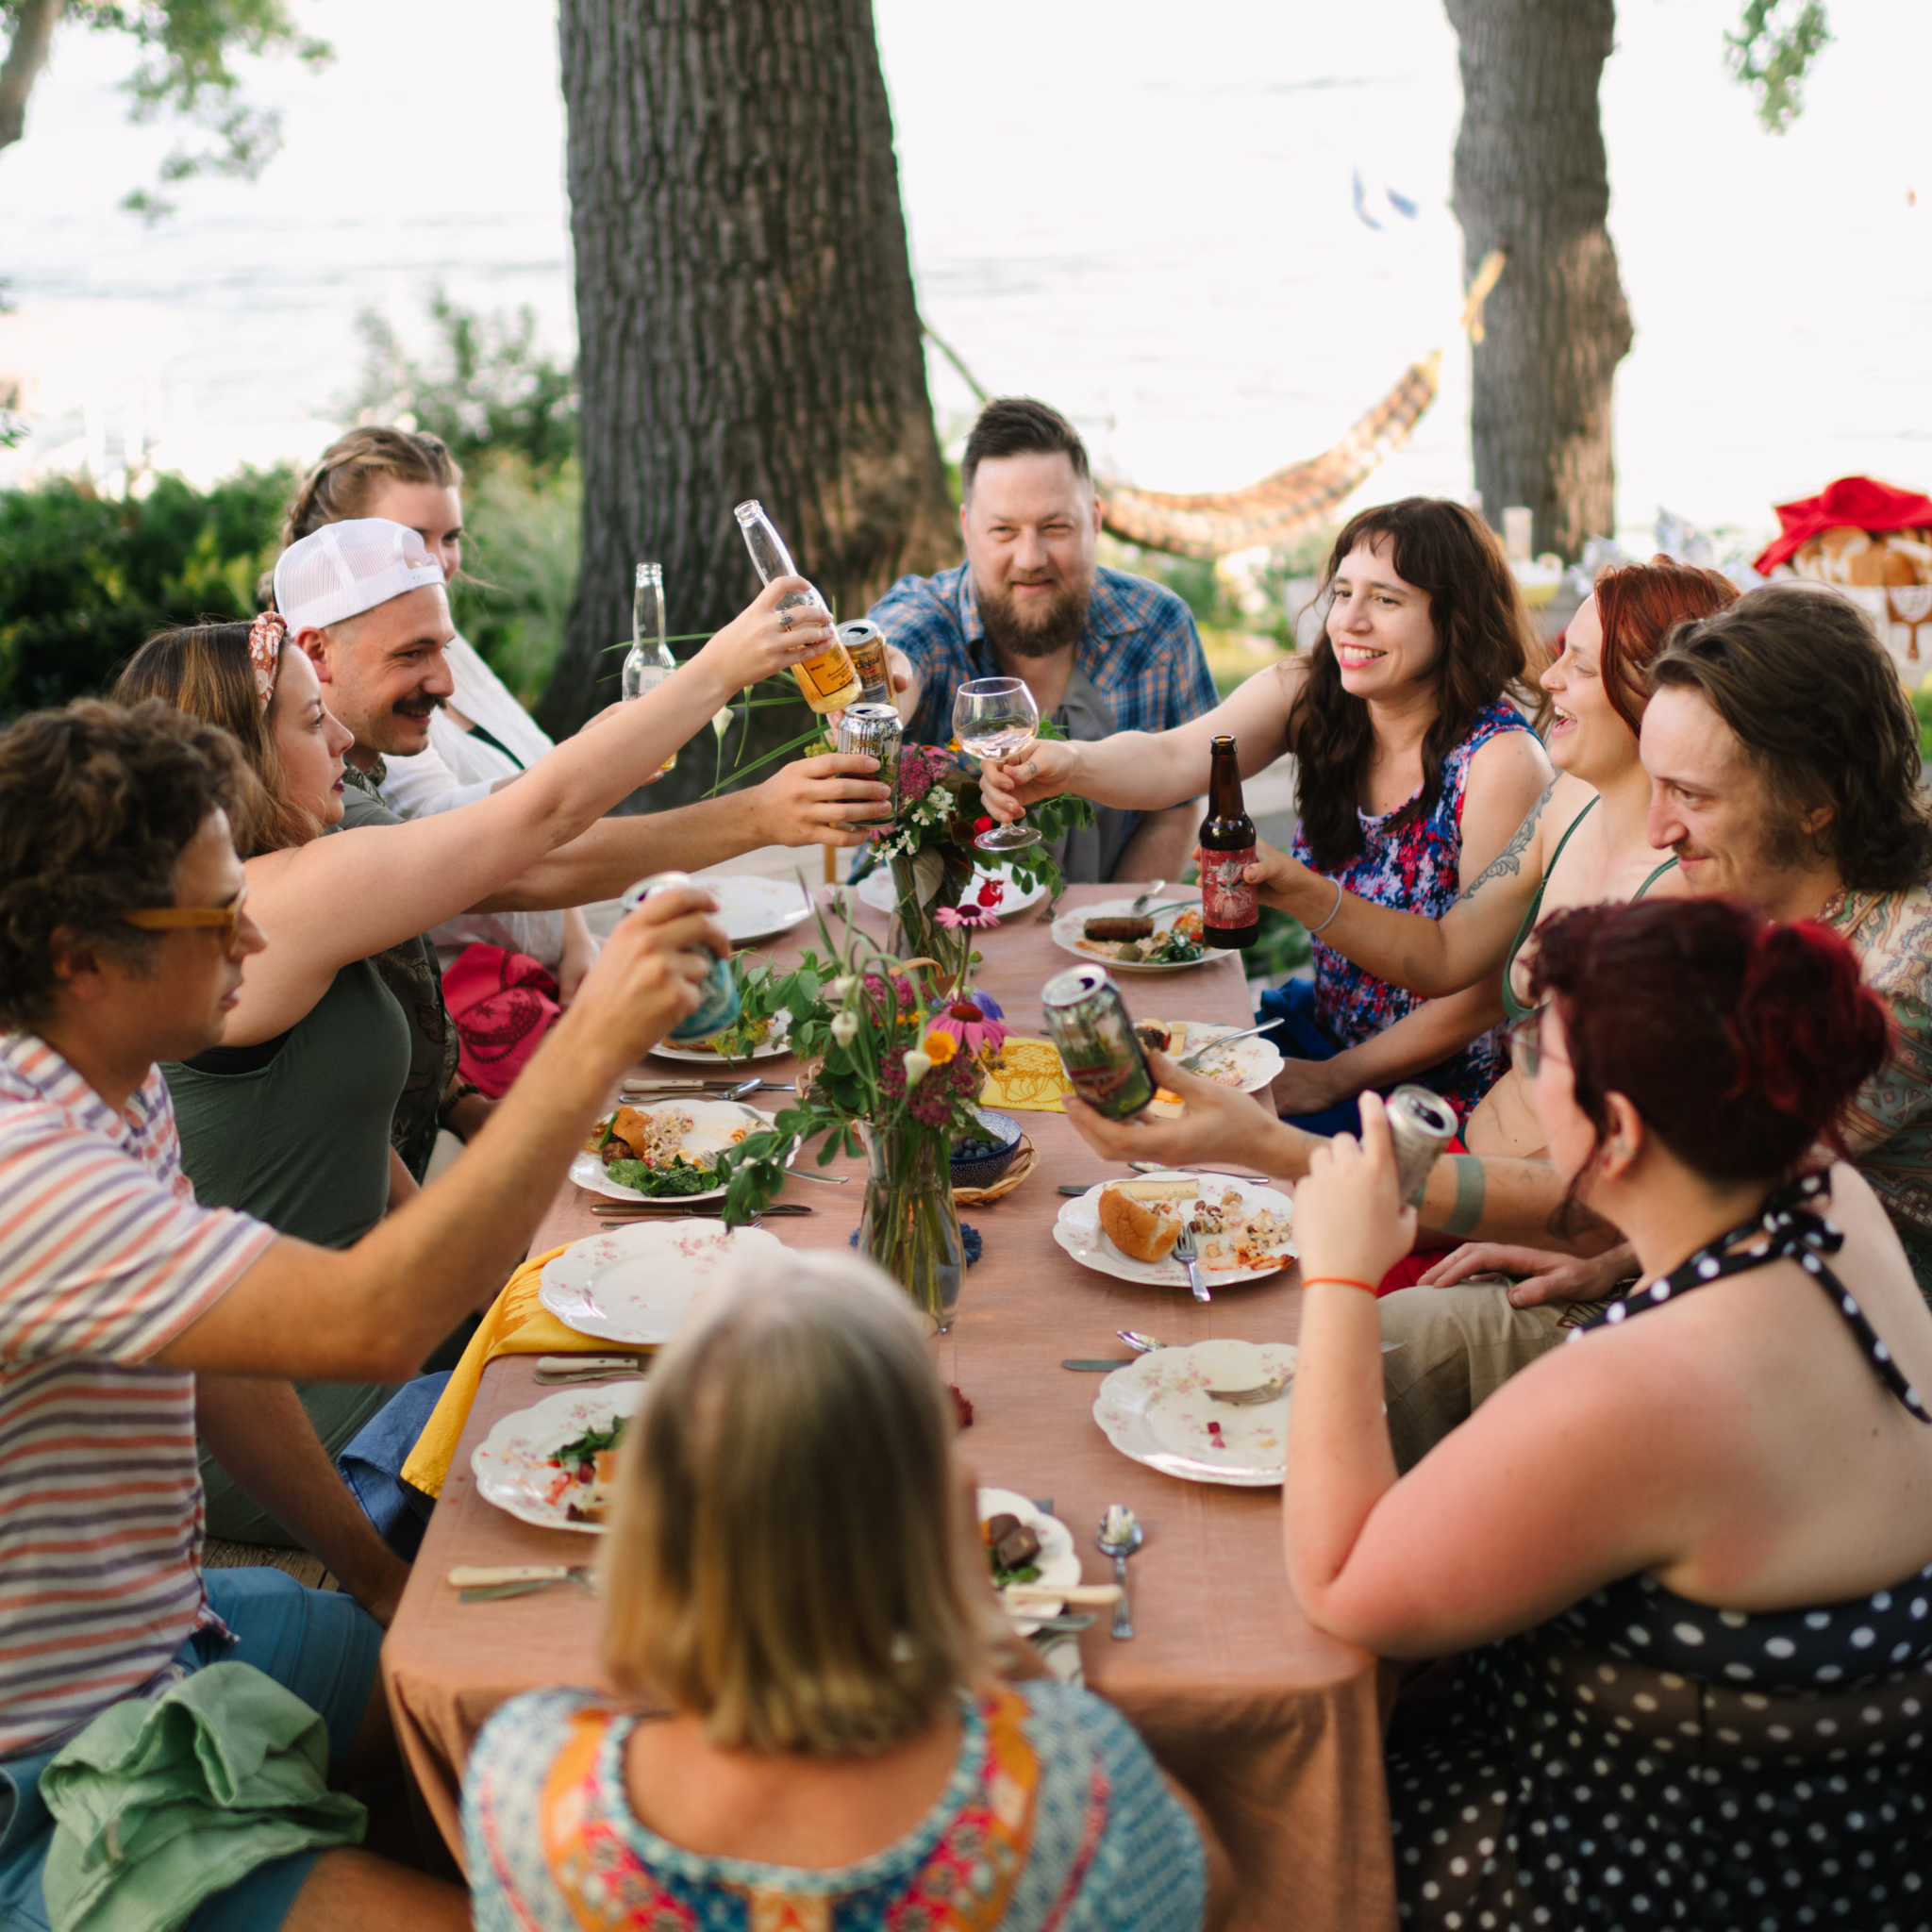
{"x": 1585, "y": 840}
{"x": 1700, "y": 1638}
{"x": 1415, "y": 767}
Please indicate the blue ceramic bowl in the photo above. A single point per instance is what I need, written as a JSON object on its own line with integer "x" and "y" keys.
{"x": 981, "y": 1160}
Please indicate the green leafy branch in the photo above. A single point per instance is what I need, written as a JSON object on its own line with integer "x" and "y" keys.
{"x": 1772, "y": 52}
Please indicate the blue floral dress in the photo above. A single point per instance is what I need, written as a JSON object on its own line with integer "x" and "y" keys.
{"x": 1413, "y": 868}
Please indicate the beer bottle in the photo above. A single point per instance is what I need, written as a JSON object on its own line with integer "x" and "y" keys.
{"x": 1230, "y": 907}
{"x": 828, "y": 681}
{"x": 648, "y": 662}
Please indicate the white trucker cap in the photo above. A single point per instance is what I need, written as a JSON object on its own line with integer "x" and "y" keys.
{"x": 345, "y": 569}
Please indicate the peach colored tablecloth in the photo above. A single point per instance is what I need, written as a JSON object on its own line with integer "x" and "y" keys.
{"x": 1276, "y": 1728}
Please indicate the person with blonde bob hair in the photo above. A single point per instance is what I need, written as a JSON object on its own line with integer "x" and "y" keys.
{"x": 799, "y": 1625}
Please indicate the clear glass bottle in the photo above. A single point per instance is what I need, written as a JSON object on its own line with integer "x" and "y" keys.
{"x": 828, "y": 681}
{"x": 648, "y": 662}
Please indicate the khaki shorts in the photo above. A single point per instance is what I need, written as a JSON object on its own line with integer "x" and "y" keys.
{"x": 1460, "y": 1345}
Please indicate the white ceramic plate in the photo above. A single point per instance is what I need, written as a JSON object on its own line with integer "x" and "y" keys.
{"x": 512, "y": 1464}
{"x": 1157, "y": 1411}
{"x": 776, "y": 1045}
{"x": 1058, "y": 1561}
{"x": 875, "y": 889}
{"x": 1249, "y": 1065}
{"x": 714, "y": 1125}
{"x": 1066, "y": 936}
{"x": 632, "y": 1284}
{"x": 756, "y": 908}
{"x": 1076, "y": 1229}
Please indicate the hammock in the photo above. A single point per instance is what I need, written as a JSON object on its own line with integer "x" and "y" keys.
{"x": 1213, "y": 524}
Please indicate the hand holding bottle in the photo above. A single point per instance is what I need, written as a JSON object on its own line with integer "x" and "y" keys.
{"x": 762, "y": 639}
{"x": 1285, "y": 883}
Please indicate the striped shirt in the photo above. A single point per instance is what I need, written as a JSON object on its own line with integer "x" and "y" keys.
{"x": 105, "y": 1259}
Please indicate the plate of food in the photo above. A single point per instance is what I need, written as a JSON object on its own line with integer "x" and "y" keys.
{"x": 756, "y": 909}
{"x": 1024, "y": 1544}
{"x": 766, "y": 1038}
{"x": 875, "y": 889}
{"x": 663, "y": 1152}
{"x": 632, "y": 1284}
{"x": 1247, "y": 1065}
{"x": 1167, "y": 940}
{"x": 1129, "y": 1228}
{"x": 1160, "y": 1410}
{"x": 554, "y": 1465}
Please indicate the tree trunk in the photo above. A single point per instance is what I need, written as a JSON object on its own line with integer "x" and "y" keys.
{"x": 746, "y": 321}
{"x": 1531, "y": 180}
{"x": 27, "y": 54}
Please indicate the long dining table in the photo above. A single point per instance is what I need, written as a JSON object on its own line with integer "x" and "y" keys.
{"x": 1273, "y": 1726}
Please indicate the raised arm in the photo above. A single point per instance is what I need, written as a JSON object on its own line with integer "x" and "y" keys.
{"x": 1148, "y": 771}
{"x": 373, "y": 1311}
{"x": 349, "y": 895}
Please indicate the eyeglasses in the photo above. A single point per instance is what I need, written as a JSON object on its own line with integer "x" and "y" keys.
{"x": 1526, "y": 1047}
{"x": 222, "y": 918}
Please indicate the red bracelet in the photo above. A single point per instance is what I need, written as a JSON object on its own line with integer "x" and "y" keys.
{"x": 1340, "y": 1281}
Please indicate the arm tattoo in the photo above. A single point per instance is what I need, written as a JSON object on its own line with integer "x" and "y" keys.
{"x": 1472, "y": 1187}
{"x": 1509, "y": 861}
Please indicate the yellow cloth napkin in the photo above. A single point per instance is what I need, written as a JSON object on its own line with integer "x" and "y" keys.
{"x": 517, "y": 1324}
{"x": 1029, "y": 1076}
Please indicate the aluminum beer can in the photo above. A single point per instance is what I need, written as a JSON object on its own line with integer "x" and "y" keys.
{"x": 876, "y": 731}
{"x": 1090, "y": 1024}
{"x": 718, "y": 1006}
{"x": 1420, "y": 1124}
{"x": 865, "y": 644}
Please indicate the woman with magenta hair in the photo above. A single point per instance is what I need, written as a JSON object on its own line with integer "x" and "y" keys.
{"x": 1698, "y": 1640}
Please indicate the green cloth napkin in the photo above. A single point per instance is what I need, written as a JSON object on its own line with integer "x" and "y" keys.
{"x": 158, "y": 1805}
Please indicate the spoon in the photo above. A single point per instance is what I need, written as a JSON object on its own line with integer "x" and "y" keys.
{"x": 1141, "y": 1345}
{"x": 1146, "y": 899}
{"x": 1128, "y": 1538}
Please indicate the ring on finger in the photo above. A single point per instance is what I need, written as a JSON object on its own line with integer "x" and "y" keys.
{"x": 784, "y": 620}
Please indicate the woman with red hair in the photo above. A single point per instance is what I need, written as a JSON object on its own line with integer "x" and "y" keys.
{"x": 1583, "y": 842}
{"x": 1687, "y": 1557}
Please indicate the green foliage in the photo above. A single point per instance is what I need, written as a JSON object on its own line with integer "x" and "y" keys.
{"x": 1922, "y": 704}
{"x": 522, "y": 533}
{"x": 187, "y": 68}
{"x": 84, "y": 579}
{"x": 490, "y": 393}
{"x": 1773, "y": 50}
{"x": 1281, "y": 945}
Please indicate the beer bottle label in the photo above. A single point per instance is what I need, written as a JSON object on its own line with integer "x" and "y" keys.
{"x": 830, "y": 673}
{"x": 1229, "y": 902}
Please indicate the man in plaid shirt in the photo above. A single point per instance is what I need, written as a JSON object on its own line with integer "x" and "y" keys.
{"x": 1101, "y": 651}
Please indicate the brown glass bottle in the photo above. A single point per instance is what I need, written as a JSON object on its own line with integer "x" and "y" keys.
{"x": 1230, "y": 908}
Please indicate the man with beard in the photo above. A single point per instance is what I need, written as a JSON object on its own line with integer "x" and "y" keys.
{"x": 1100, "y": 650}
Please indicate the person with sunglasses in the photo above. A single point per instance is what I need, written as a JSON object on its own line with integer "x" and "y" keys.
{"x": 133, "y": 1314}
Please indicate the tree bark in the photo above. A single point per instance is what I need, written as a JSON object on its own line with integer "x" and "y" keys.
{"x": 1531, "y": 180}
{"x": 27, "y": 54}
{"x": 746, "y": 321}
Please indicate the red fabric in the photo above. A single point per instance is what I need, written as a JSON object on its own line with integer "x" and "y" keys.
{"x": 1430, "y": 1249}
{"x": 503, "y": 1003}
{"x": 1854, "y": 503}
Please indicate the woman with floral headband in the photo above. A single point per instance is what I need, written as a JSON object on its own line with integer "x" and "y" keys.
{"x": 289, "y": 1118}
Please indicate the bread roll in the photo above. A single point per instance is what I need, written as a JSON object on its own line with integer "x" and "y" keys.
{"x": 1141, "y": 1230}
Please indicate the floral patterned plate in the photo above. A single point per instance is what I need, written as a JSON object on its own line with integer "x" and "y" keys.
{"x": 1156, "y": 1410}
{"x": 632, "y": 1284}
{"x": 1077, "y": 1231}
{"x": 1058, "y": 1561}
{"x": 875, "y": 889}
{"x": 513, "y": 1463}
{"x": 1068, "y": 926}
{"x": 715, "y": 1124}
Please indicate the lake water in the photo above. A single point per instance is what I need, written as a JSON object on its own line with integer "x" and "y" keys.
{"x": 1141, "y": 213}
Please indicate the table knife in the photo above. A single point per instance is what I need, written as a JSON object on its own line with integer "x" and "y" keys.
{"x": 1102, "y": 1366}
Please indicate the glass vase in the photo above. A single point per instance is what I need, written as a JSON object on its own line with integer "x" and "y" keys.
{"x": 909, "y": 1225}
{"x": 922, "y": 883}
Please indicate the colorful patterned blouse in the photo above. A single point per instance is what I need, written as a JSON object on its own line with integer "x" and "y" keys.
{"x": 1055, "y": 1816}
{"x": 1411, "y": 868}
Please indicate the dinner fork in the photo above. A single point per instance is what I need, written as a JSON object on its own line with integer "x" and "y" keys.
{"x": 1186, "y": 1251}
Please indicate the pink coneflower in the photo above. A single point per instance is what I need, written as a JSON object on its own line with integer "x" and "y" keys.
{"x": 974, "y": 1021}
{"x": 955, "y": 917}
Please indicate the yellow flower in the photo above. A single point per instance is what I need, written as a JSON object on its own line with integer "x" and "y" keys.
{"x": 940, "y": 1047}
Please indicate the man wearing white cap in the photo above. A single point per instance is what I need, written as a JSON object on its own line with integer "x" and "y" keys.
{"x": 365, "y": 600}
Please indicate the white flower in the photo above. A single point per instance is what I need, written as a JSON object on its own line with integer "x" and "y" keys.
{"x": 844, "y": 1027}
{"x": 721, "y": 723}
{"x": 918, "y": 1066}
{"x": 841, "y": 988}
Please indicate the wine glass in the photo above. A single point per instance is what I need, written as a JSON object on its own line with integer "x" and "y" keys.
{"x": 993, "y": 716}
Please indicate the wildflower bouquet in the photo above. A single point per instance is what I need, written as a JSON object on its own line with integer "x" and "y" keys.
{"x": 898, "y": 1059}
{"x": 929, "y": 848}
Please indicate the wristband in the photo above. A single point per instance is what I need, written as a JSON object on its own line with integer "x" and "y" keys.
{"x": 1332, "y": 912}
{"x": 1368, "y": 1287}
{"x": 451, "y": 1100}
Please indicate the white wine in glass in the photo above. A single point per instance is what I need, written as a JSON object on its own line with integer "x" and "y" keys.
{"x": 992, "y": 717}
